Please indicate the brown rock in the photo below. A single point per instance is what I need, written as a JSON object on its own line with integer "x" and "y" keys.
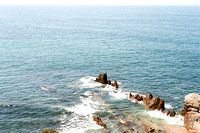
{"x": 149, "y": 96}
{"x": 183, "y": 112}
{"x": 191, "y": 112}
{"x": 115, "y": 84}
{"x": 109, "y": 82}
{"x": 102, "y": 78}
{"x": 161, "y": 105}
{"x": 131, "y": 96}
{"x": 168, "y": 112}
{"x": 172, "y": 114}
{"x": 99, "y": 121}
{"x": 126, "y": 123}
{"x": 190, "y": 122}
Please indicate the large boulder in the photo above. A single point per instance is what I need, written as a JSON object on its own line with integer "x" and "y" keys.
{"x": 102, "y": 78}
{"x": 191, "y": 112}
{"x": 153, "y": 103}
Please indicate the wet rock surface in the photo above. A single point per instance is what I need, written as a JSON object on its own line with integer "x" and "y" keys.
{"x": 149, "y": 101}
{"x": 99, "y": 121}
{"x": 102, "y": 78}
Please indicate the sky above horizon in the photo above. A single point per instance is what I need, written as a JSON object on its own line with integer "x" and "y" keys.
{"x": 102, "y": 2}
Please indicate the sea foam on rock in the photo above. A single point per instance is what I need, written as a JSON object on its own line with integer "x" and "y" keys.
{"x": 102, "y": 78}
{"x": 149, "y": 101}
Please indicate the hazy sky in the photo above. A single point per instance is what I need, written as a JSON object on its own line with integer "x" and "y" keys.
{"x": 101, "y": 2}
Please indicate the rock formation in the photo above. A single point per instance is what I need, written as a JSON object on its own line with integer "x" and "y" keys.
{"x": 149, "y": 101}
{"x": 172, "y": 113}
{"x": 99, "y": 121}
{"x": 102, "y": 78}
{"x": 191, "y": 112}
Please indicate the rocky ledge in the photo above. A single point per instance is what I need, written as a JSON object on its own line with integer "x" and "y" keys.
{"x": 191, "y": 113}
{"x": 102, "y": 78}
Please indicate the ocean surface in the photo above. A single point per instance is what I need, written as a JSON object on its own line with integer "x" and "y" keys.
{"x": 49, "y": 56}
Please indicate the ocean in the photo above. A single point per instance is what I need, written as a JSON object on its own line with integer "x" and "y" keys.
{"x": 49, "y": 56}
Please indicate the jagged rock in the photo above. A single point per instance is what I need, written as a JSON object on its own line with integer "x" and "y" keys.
{"x": 131, "y": 96}
{"x": 115, "y": 84}
{"x": 109, "y": 82}
{"x": 99, "y": 121}
{"x": 149, "y": 96}
{"x": 102, "y": 78}
{"x": 168, "y": 112}
{"x": 138, "y": 97}
{"x": 172, "y": 114}
{"x": 161, "y": 105}
{"x": 153, "y": 103}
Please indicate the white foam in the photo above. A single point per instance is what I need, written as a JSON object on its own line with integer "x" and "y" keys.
{"x": 177, "y": 120}
{"x": 85, "y": 108}
{"x": 119, "y": 94}
{"x": 88, "y": 93}
{"x": 82, "y": 116}
{"x": 168, "y": 106}
{"x": 44, "y": 88}
{"x": 77, "y": 125}
{"x": 88, "y": 82}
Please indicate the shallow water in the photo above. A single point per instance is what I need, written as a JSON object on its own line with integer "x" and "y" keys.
{"x": 147, "y": 49}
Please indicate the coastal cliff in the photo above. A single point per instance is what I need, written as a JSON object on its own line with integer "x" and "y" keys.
{"x": 191, "y": 113}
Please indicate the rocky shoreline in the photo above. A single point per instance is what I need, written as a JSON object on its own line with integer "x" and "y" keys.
{"x": 190, "y": 111}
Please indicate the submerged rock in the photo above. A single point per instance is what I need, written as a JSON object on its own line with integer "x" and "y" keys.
{"x": 49, "y": 131}
{"x": 99, "y": 121}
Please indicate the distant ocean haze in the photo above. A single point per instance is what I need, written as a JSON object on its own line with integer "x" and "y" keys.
{"x": 50, "y": 56}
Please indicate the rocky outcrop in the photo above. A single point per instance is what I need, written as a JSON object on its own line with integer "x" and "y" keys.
{"x": 102, "y": 78}
{"x": 149, "y": 101}
{"x": 115, "y": 84}
{"x": 191, "y": 112}
{"x": 191, "y": 104}
{"x": 99, "y": 121}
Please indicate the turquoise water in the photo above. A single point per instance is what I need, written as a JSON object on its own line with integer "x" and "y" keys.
{"x": 147, "y": 49}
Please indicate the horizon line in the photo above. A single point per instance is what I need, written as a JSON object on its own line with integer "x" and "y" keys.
{"x": 95, "y": 5}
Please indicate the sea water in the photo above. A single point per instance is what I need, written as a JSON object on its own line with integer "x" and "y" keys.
{"x": 50, "y": 55}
